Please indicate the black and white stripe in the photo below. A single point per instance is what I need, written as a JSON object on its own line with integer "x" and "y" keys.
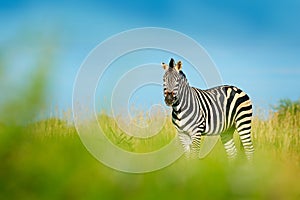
{"x": 219, "y": 110}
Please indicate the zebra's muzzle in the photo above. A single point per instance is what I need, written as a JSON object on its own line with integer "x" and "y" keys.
{"x": 169, "y": 99}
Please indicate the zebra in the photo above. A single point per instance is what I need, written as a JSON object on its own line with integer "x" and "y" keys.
{"x": 217, "y": 111}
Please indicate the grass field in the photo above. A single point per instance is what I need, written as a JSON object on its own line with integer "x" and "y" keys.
{"x": 46, "y": 160}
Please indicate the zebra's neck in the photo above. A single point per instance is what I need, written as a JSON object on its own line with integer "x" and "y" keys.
{"x": 186, "y": 113}
{"x": 184, "y": 92}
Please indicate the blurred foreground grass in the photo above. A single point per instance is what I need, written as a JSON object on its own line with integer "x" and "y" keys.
{"x": 46, "y": 160}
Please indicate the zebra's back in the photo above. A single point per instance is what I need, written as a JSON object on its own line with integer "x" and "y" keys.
{"x": 223, "y": 107}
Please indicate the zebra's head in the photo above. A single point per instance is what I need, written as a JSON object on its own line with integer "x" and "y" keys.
{"x": 171, "y": 80}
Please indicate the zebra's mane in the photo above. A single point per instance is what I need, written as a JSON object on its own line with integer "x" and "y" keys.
{"x": 183, "y": 77}
{"x": 182, "y": 74}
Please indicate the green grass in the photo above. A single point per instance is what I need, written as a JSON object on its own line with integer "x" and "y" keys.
{"x": 134, "y": 144}
{"x": 46, "y": 160}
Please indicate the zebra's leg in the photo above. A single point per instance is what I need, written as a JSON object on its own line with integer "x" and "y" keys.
{"x": 186, "y": 142}
{"x": 244, "y": 130}
{"x": 228, "y": 142}
{"x": 195, "y": 146}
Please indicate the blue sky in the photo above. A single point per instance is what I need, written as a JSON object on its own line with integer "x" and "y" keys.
{"x": 254, "y": 44}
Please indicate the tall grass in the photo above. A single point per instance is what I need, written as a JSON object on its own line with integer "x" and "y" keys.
{"x": 279, "y": 135}
{"x": 119, "y": 137}
{"x": 46, "y": 160}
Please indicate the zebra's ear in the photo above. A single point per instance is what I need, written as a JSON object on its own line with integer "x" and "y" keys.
{"x": 178, "y": 66}
{"x": 164, "y": 66}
